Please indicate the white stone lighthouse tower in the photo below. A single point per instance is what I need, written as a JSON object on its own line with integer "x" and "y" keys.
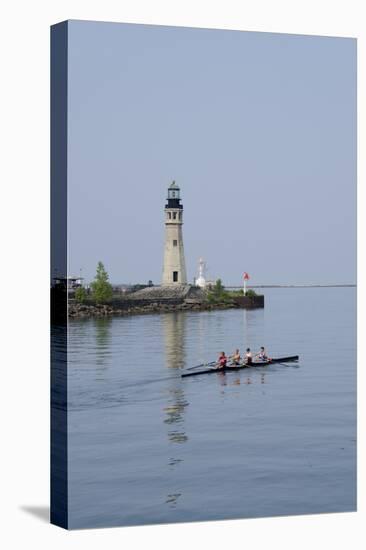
{"x": 174, "y": 270}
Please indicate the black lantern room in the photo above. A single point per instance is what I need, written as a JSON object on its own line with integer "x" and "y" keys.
{"x": 173, "y": 196}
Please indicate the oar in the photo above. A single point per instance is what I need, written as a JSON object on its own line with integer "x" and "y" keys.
{"x": 202, "y": 365}
{"x": 285, "y": 364}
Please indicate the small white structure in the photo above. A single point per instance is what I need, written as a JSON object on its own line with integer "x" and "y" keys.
{"x": 201, "y": 281}
{"x": 174, "y": 269}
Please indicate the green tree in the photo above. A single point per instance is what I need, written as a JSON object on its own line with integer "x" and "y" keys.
{"x": 80, "y": 294}
{"x": 101, "y": 288}
{"x": 219, "y": 288}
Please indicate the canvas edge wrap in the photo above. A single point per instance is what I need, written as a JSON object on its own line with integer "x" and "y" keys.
{"x": 59, "y": 85}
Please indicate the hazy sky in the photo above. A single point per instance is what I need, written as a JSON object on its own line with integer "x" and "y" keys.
{"x": 259, "y": 131}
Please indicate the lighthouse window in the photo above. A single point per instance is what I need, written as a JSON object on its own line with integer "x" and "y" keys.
{"x": 175, "y": 276}
{"x": 175, "y": 243}
{"x": 180, "y": 215}
{"x": 170, "y": 215}
{"x": 174, "y": 215}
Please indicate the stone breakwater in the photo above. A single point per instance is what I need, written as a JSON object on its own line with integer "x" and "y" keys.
{"x": 88, "y": 310}
{"x": 160, "y": 300}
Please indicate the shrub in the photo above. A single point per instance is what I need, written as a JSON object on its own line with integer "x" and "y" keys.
{"x": 250, "y": 293}
{"x": 218, "y": 294}
{"x": 237, "y": 293}
{"x": 80, "y": 295}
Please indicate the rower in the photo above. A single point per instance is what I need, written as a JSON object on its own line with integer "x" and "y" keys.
{"x": 262, "y": 355}
{"x": 235, "y": 358}
{"x": 222, "y": 360}
{"x": 248, "y": 357}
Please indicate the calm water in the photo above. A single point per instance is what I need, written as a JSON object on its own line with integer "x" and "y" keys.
{"x": 146, "y": 446}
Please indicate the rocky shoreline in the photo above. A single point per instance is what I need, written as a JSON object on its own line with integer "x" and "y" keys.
{"x": 77, "y": 311}
{"x": 152, "y": 302}
{"x": 147, "y": 301}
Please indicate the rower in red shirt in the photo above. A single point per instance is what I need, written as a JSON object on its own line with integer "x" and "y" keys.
{"x": 222, "y": 360}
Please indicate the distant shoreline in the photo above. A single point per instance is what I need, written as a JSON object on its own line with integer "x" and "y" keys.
{"x": 297, "y": 286}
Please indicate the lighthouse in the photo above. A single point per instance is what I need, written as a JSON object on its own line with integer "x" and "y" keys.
{"x": 174, "y": 269}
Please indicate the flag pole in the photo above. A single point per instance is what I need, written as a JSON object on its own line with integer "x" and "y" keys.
{"x": 245, "y": 278}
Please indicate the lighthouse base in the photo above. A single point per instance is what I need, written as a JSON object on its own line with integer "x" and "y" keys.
{"x": 164, "y": 292}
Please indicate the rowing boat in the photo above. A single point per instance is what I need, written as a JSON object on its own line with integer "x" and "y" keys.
{"x": 228, "y": 368}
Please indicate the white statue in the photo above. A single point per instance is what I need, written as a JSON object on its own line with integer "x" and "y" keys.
{"x": 201, "y": 281}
